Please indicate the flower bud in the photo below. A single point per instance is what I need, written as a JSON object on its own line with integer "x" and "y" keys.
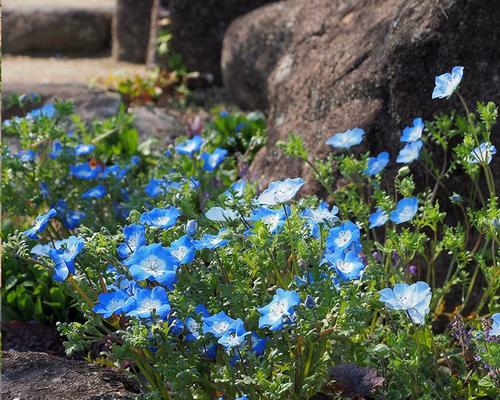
{"x": 191, "y": 227}
{"x": 309, "y": 302}
{"x": 403, "y": 171}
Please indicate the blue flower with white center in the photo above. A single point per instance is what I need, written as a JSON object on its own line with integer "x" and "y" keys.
{"x": 405, "y": 210}
{"x": 64, "y": 264}
{"x": 85, "y": 171}
{"x": 414, "y": 299}
{"x": 279, "y": 311}
{"x": 155, "y": 263}
{"x": 319, "y": 216}
{"x": 377, "y": 164}
{"x": 273, "y": 219}
{"x": 211, "y": 242}
{"x": 84, "y": 149}
{"x": 190, "y": 146}
{"x": 111, "y": 303}
{"x": 237, "y": 189}
{"x": 414, "y": 132}
{"x": 279, "y": 192}
{"x": 483, "y": 154}
{"x": 182, "y": 250}
{"x": 114, "y": 171}
{"x": 155, "y": 188}
{"x": 346, "y": 139}
{"x": 342, "y": 236}
{"x": 41, "y": 223}
{"x": 234, "y": 336}
{"x": 192, "y": 324}
{"x": 72, "y": 218}
{"x": 219, "y": 214}
{"x": 26, "y": 156}
{"x": 348, "y": 266}
{"x": 40, "y": 250}
{"x": 378, "y": 218}
{"x": 446, "y": 84}
{"x": 148, "y": 302}
{"x": 212, "y": 161}
{"x": 160, "y": 218}
{"x": 72, "y": 246}
{"x": 135, "y": 238}
{"x": 410, "y": 152}
{"x": 57, "y": 149}
{"x": 495, "y": 326}
{"x": 97, "y": 192}
{"x": 48, "y": 110}
{"x": 217, "y": 324}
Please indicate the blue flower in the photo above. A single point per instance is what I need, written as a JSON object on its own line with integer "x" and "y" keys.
{"x": 447, "y": 83}
{"x": 217, "y": 324}
{"x": 346, "y": 139}
{"x": 146, "y": 301}
{"x": 377, "y": 164}
{"x": 414, "y": 132}
{"x": 234, "y": 336}
{"x": 414, "y": 299}
{"x": 72, "y": 246}
{"x": 84, "y": 149}
{"x": 114, "y": 171}
{"x": 219, "y": 214}
{"x": 378, "y": 218}
{"x": 242, "y": 397}
{"x": 191, "y": 227}
{"x": 212, "y": 161}
{"x": 85, "y": 171}
{"x": 258, "y": 344}
{"x": 192, "y": 325}
{"x": 347, "y": 266}
{"x": 72, "y": 218}
{"x": 410, "y": 152}
{"x": 483, "y": 154}
{"x": 40, "y": 250}
{"x": 48, "y": 110}
{"x": 111, "y": 303}
{"x": 455, "y": 198}
{"x": 57, "y": 149}
{"x": 223, "y": 114}
{"x": 405, "y": 210}
{"x": 182, "y": 250}
{"x": 44, "y": 189}
{"x": 161, "y": 218}
{"x": 495, "y": 326}
{"x": 155, "y": 188}
{"x": 190, "y": 146}
{"x": 153, "y": 262}
{"x": 280, "y": 191}
{"x": 211, "y": 242}
{"x": 135, "y": 160}
{"x": 41, "y": 223}
{"x": 280, "y": 310}
{"x": 26, "y": 156}
{"x": 342, "y": 236}
{"x": 237, "y": 189}
{"x": 135, "y": 238}
{"x": 64, "y": 264}
{"x": 96, "y": 192}
{"x": 273, "y": 219}
{"x": 319, "y": 216}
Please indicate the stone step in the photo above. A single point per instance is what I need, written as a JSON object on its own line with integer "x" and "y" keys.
{"x": 56, "y": 26}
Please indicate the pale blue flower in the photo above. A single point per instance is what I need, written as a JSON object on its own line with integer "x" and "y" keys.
{"x": 280, "y": 191}
{"x": 84, "y": 149}
{"x": 147, "y": 302}
{"x": 346, "y": 139}
{"x": 377, "y": 164}
{"x": 135, "y": 238}
{"x": 447, "y": 83}
{"x": 342, "y": 236}
{"x": 234, "y": 336}
{"x": 414, "y": 132}
{"x": 111, "y": 303}
{"x": 217, "y": 324}
{"x": 483, "y": 154}
{"x": 190, "y": 146}
{"x": 405, "y": 210}
{"x": 348, "y": 266}
{"x": 212, "y": 161}
{"x": 414, "y": 299}
{"x": 161, "y": 218}
{"x": 378, "y": 218}
{"x": 96, "y": 192}
{"x": 26, "y": 156}
{"x": 153, "y": 262}
{"x": 410, "y": 152}
{"x": 192, "y": 325}
{"x": 41, "y": 223}
{"x": 48, "y": 110}
{"x": 237, "y": 188}
{"x": 219, "y": 214}
{"x": 495, "y": 326}
{"x": 182, "y": 250}
{"x": 155, "y": 188}
{"x": 273, "y": 219}
{"x": 211, "y": 242}
{"x": 191, "y": 227}
{"x": 279, "y": 311}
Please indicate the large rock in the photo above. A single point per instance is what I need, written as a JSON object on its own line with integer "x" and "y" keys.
{"x": 153, "y": 122}
{"x": 63, "y": 26}
{"x": 198, "y": 28}
{"x": 40, "y": 376}
{"x": 325, "y": 66}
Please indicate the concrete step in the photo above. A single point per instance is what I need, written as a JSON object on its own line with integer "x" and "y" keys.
{"x": 56, "y": 26}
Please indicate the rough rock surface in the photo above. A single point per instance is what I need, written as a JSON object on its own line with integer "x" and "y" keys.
{"x": 30, "y": 376}
{"x": 370, "y": 64}
{"x": 51, "y": 26}
{"x": 153, "y": 122}
{"x": 198, "y": 28}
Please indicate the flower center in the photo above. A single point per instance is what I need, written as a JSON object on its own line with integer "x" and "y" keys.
{"x": 152, "y": 265}
{"x": 180, "y": 252}
{"x": 278, "y": 310}
{"x": 221, "y": 327}
{"x": 343, "y": 238}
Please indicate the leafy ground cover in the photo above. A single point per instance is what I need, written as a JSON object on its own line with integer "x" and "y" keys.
{"x": 200, "y": 287}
